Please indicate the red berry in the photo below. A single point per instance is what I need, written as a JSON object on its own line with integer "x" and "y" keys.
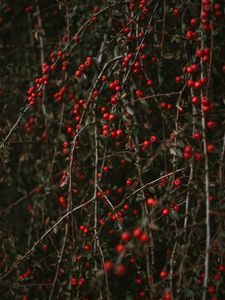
{"x": 205, "y": 100}
{"x": 129, "y": 182}
{"x": 87, "y": 247}
{"x": 198, "y": 156}
{"x": 126, "y": 206}
{"x": 139, "y": 93}
{"x": 217, "y": 6}
{"x": 178, "y": 79}
{"x": 142, "y": 294}
{"x": 120, "y": 248}
{"x": 197, "y": 85}
{"x": 166, "y": 211}
{"x": 120, "y": 270}
{"x": 112, "y": 117}
{"x": 63, "y": 201}
{"x": 188, "y": 149}
{"x": 139, "y": 281}
{"x": 78, "y": 73}
{"x": 150, "y": 82}
{"x": 144, "y": 238}
{"x": 211, "y": 289}
{"x": 82, "y": 281}
{"x": 105, "y": 169}
{"x": 200, "y": 53}
{"x": 198, "y": 136}
{"x": 168, "y": 296}
{"x": 119, "y": 132}
{"x": 137, "y": 232}
{"x": 177, "y": 208}
{"x": 195, "y": 100}
{"x": 211, "y": 124}
{"x": 74, "y": 281}
{"x": 163, "y": 275}
{"x": 108, "y": 265}
{"x": 211, "y": 148}
{"x": 146, "y": 144}
{"x": 135, "y": 212}
{"x": 178, "y": 182}
{"x": 221, "y": 268}
{"x": 187, "y": 155}
{"x": 153, "y": 138}
{"x": 205, "y": 59}
{"x": 125, "y": 236}
{"x": 194, "y": 22}
{"x": 190, "y": 83}
{"x": 176, "y": 12}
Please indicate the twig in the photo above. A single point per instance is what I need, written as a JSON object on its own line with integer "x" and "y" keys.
{"x": 30, "y": 251}
{"x": 163, "y": 28}
{"x": 206, "y": 176}
{"x": 95, "y": 187}
{"x": 112, "y": 207}
{"x": 153, "y": 182}
{"x": 26, "y": 108}
{"x": 59, "y": 262}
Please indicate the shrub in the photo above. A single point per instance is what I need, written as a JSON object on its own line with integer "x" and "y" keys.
{"x": 112, "y": 147}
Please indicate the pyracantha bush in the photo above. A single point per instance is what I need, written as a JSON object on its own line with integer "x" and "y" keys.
{"x": 112, "y": 149}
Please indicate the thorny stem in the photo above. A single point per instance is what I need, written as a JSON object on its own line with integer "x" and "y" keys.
{"x": 31, "y": 250}
{"x": 59, "y": 262}
{"x": 153, "y": 182}
{"x": 26, "y": 108}
{"x": 95, "y": 187}
{"x": 206, "y": 178}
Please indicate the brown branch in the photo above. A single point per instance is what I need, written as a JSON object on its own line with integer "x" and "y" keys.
{"x": 31, "y": 250}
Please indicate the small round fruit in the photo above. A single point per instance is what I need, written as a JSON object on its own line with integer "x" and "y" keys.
{"x": 151, "y": 201}
{"x": 125, "y": 236}
{"x": 163, "y": 275}
{"x": 137, "y": 232}
{"x": 166, "y": 211}
{"x": 144, "y": 238}
{"x": 211, "y": 148}
{"x": 120, "y": 270}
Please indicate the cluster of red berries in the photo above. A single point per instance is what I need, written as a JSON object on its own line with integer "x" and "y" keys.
{"x": 60, "y": 94}
{"x": 141, "y": 235}
{"x": 127, "y": 59}
{"x": 119, "y": 269}
{"x": 78, "y": 282}
{"x": 25, "y": 275}
{"x": 29, "y": 9}
{"x": 115, "y": 85}
{"x": 198, "y": 83}
{"x": 84, "y": 66}
{"x": 32, "y": 95}
{"x": 28, "y": 125}
{"x": 84, "y": 229}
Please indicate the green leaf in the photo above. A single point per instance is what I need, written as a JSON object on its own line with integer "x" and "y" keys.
{"x": 139, "y": 197}
{"x": 189, "y": 293}
{"x": 129, "y": 297}
{"x": 168, "y": 55}
{"x": 174, "y": 215}
{"x": 180, "y": 143}
{"x": 129, "y": 110}
{"x": 144, "y": 221}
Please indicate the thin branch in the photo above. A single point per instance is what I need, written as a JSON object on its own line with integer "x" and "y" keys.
{"x": 21, "y": 115}
{"x": 153, "y": 182}
{"x": 59, "y": 262}
{"x": 31, "y": 250}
